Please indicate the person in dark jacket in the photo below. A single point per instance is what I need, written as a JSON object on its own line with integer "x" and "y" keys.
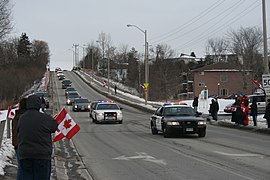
{"x": 18, "y": 113}
{"x": 214, "y": 107}
{"x": 267, "y": 113}
{"x": 254, "y": 111}
{"x": 195, "y": 103}
{"x": 35, "y": 141}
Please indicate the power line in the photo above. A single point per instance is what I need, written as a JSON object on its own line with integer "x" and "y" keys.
{"x": 230, "y": 21}
{"x": 193, "y": 20}
{"x": 226, "y": 12}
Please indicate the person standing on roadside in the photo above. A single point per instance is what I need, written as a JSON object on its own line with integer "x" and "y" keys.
{"x": 35, "y": 141}
{"x": 214, "y": 107}
{"x": 254, "y": 111}
{"x": 195, "y": 103}
{"x": 267, "y": 113}
{"x": 18, "y": 113}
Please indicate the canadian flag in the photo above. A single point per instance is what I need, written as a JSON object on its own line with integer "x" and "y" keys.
{"x": 11, "y": 113}
{"x": 257, "y": 84}
{"x": 66, "y": 126}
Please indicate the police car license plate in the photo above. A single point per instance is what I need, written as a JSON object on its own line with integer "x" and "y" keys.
{"x": 110, "y": 118}
{"x": 189, "y": 129}
{"x": 82, "y": 107}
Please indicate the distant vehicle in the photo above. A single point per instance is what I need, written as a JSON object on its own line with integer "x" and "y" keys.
{"x": 177, "y": 118}
{"x": 58, "y": 69}
{"x": 46, "y": 97}
{"x": 229, "y": 108}
{"x": 61, "y": 77}
{"x": 81, "y": 104}
{"x": 71, "y": 97}
{"x": 107, "y": 112}
{"x": 66, "y": 83}
{"x": 69, "y": 89}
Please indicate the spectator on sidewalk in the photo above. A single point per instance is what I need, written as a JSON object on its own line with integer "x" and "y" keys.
{"x": 18, "y": 113}
{"x": 195, "y": 104}
{"x": 35, "y": 141}
{"x": 267, "y": 113}
{"x": 214, "y": 107}
{"x": 254, "y": 111}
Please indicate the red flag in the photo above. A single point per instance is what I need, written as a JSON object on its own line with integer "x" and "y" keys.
{"x": 11, "y": 113}
{"x": 257, "y": 84}
{"x": 66, "y": 126}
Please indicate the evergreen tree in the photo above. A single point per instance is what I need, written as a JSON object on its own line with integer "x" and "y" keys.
{"x": 24, "y": 47}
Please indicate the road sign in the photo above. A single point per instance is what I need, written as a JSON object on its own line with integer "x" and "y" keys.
{"x": 266, "y": 80}
{"x": 146, "y": 85}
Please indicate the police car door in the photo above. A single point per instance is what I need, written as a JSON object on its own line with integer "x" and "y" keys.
{"x": 158, "y": 118}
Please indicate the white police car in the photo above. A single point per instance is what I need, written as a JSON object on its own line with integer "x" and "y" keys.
{"x": 177, "y": 118}
{"x": 106, "y": 112}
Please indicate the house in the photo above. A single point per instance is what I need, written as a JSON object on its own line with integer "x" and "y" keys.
{"x": 222, "y": 79}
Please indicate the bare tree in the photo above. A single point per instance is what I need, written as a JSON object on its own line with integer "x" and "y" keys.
{"x": 247, "y": 44}
{"x": 164, "y": 79}
{"x": 217, "y": 47}
{"x": 5, "y": 18}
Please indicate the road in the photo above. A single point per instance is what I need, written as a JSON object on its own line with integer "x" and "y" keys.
{"x": 130, "y": 151}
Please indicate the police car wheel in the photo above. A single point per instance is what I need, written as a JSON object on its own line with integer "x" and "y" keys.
{"x": 166, "y": 133}
{"x": 202, "y": 132}
{"x": 154, "y": 130}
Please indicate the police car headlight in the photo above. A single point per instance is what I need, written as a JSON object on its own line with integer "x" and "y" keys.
{"x": 68, "y": 101}
{"x": 88, "y": 106}
{"x": 201, "y": 122}
{"x": 76, "y": 106}
{"x": 100, "y": 114}
{"x": 172, "y": 123}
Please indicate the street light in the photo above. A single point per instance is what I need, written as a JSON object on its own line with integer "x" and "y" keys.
{"x": 146, "y": 84}
{"x": 73, "y": 57}
{"x": 218, "y": 84}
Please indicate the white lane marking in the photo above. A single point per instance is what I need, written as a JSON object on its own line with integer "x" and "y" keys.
{"x": 143, "y": 156}
{"x": 239, "y": 155}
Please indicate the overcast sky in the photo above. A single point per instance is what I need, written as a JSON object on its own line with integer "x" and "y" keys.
{"x": 185, "y": 25}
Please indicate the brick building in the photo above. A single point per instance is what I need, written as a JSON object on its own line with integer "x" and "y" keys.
{"x": 222, "y": 79}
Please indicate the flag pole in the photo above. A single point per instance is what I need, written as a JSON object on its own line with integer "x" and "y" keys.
{"x": 8, "y": 123}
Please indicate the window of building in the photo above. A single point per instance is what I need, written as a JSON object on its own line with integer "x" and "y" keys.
{"x": 224, "y": 92}
{"x": 223, "y": 78}
{"x": 201, "y": 84}
{"x": 202, "y": 73}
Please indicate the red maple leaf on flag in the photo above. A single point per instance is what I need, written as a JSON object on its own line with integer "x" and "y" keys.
{"x": 67, "y": 123}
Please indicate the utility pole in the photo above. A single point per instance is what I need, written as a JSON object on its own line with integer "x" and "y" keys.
{"x": 266, "y": 62}
{"x": 266, "y": 76}
{"x": 76, "y": 53}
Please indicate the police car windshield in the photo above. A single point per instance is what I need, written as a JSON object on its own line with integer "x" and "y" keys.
{"x": 107, "y": 106}
{"x": 179, "y": 111}
{"x": 81, "y": 100}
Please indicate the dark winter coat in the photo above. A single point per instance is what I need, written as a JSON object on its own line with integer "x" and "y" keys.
{"x": 18, "y": 113}
{"x": 34, "y": 131}
{"x": 267, "y": 111}
{"x": 214, "y": 107}
{"x": 195, "y": 102}
{"x": 254, "y": 109}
